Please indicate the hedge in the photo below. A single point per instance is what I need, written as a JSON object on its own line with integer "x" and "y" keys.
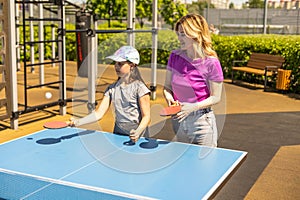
{"x": 229, "y": 48}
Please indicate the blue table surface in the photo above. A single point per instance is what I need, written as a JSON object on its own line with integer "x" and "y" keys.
{"x": 100, "y": 162}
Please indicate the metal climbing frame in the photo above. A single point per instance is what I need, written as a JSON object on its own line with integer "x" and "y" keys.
{"x": 8, "y": 56}
{"x": 92, "y": 45}
{"x": 57, "y": 7}
{"x": 7, "y": 43}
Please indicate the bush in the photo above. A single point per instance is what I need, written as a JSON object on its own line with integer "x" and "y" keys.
{"x": 167, "y": 41}
{"x": 229, "y": 48}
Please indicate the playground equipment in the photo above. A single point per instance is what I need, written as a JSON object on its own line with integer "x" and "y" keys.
{"x": 11, "y": 47}
{"x": 8, "y": 58}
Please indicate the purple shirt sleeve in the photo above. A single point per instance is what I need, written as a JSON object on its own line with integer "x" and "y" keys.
{"x": 215, "y": 72}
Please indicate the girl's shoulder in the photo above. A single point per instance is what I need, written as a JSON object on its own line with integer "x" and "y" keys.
{"x": 112, "y": 86}
{"x": 138, "y": 83}
{"x": 140, "y": 86}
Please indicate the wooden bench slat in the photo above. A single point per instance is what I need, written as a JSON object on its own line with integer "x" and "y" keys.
{"x": 264, "y": 56}
{"x": 261, "y": 65}
{"x": 267, "y": 58}
{"x": 265, "y": 61}
{"x": 252, "y": 70}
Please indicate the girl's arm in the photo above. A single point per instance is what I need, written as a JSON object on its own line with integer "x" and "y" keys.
{"x": 94, "y": 116}
{"x": 144, "y": 102}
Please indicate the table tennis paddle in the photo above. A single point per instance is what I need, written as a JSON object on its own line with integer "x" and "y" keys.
{"x": 170, "y": 110}
{"x": 55, "y": 124}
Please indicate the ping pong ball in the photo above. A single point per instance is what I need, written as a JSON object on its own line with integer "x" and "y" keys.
{"x": 48, "y": 95}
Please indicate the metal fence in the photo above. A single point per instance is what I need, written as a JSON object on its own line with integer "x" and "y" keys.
{"x": 250, "y": 21}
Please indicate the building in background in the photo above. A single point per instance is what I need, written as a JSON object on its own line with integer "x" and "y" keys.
{"x": 219, "y": 4}
{"x": 286, "y": 4}
{"x": 238, "y": 4}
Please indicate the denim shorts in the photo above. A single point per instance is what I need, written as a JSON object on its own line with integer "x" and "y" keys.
{"x": 199, "y": 127}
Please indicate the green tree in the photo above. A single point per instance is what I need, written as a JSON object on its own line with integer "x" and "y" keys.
{"x": 172, "y": 11}
{"x": 117, "y": 9}
{"x": 231, "y": 5}
{"x": 108, "y": 9}
{"x": 199, "y": 6}
{"x": 256, "y": 4}
{"x": 144, "y": 10}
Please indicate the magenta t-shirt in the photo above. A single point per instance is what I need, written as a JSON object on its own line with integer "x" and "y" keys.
{"x": 190, "y": 77}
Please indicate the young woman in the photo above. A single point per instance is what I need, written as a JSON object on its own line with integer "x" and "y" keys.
{"x": 129, "y": 95}
{"x": 194, "y": 80}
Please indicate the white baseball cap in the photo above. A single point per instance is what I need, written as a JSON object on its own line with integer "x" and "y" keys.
{"x": 126, "y": 53}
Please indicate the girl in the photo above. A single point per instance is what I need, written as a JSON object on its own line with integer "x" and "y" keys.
{"x": 194, "y": 80}
{"x": 129, "y": 95}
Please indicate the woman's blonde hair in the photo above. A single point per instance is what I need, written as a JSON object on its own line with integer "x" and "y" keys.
{"x": 196, "y": 27}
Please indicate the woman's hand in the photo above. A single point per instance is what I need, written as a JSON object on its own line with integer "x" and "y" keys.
{"x": 186, "y": 109}
{"x": 169, "y": 98}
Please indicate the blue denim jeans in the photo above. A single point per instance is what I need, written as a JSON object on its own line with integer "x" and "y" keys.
{"x": 198, "y": 127}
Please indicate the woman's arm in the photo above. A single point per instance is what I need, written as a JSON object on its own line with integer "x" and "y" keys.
{"x": 215, "y": 95}
{"x": 94, "y": 116}
{"x": 168, "y": 94}
{"x": 144, "y": 102}
{"x": 214, "y": 98}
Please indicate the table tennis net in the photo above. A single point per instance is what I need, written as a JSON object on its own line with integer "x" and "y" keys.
{"x": 14, "y": 186}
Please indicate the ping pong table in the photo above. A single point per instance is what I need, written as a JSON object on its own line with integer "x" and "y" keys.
{"x": 74, "y": 163}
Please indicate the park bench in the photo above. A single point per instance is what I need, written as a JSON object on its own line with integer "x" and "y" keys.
{"x": 261, "y": 64}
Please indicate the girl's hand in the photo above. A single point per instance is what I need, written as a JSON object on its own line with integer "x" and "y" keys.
{"x": 72, "y": 122}
{"x": 134, "y": 135}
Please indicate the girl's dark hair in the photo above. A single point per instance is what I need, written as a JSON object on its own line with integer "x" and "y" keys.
{"x": 135, "y": 73}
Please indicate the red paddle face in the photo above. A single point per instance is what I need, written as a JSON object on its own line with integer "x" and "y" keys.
{"x": 55, "y": 125}
{"x": 171, "y": 110}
